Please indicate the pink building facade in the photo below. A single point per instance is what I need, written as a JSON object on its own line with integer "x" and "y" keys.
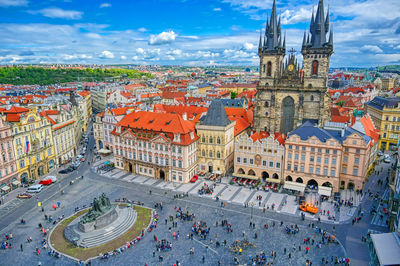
{"x": 8, "y": 168}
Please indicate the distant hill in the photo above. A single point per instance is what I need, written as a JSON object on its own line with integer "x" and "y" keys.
{"x": 47, "y": 76}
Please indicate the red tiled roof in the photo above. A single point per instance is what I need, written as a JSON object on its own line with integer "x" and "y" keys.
{"x": 370, "y": 129}
{"x": 168, "y": 124}
{"x": 84, "y": 93}
{"x": 173, "y": 94}
{"x": 119, "y": 111}
{"x": 64, "y": 125}
{"x": 15, "y": 110}
{"x": 340, "y": 119}
{"x": 13, "y": 117}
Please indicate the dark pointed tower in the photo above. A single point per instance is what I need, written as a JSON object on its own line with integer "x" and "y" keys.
{"x": 317, "y": 52}
{"x": 271, "y": 52}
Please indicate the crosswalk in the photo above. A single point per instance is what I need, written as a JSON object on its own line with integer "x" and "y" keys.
{"x": 228, "y": 193}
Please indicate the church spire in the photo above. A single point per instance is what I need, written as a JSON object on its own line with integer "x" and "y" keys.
{"x": 260, "y": 43}
{"x": 330, "y": 42}
{"x": 327, "y": 21}
{"x": 305, "y": 38}
{"x": 319, "y": 27}
{"x": 273, "y": 31}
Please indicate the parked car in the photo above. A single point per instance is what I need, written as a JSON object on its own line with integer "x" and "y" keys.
{"x": 24, "y": 196}
{"x": 66, "y": 170}
{"x": 194, "y": 179}
{"x": 45, "y": 182}
{"x": 35, "y": 188}
{"x": 380, "y": 153}
{"x": 52, "y": 177}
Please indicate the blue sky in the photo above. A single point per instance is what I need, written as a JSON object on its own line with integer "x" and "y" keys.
{"x": 188, "y": 32}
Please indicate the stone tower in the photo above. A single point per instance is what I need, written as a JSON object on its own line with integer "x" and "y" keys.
{"x": 287, "y": 94}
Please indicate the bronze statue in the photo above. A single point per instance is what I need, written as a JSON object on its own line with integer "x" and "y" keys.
{"x": 100, "y": 206}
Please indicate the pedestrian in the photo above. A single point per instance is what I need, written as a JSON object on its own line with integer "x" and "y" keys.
{"x": 203, "y": 259}
{"x": 21, "y": 247}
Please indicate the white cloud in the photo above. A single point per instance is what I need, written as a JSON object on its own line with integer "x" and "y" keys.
{"x": 104, "y": 5}
{"x": 217, "y": 9}
{"x": 135, "y": 58}
{"x": 143, "y": 29}
{"x": 140, "y": 50}
{"x": 163, "y": 38}
{"x": 106, "y": 55}
{"x": 371, "y": 48}
{"x": 248, "y": 46}
{"x": 55, "y": 12}
{"x": 397, "y": 47}
{"x": 7, "y": 3}
{"x": 295, "y": 16}
{"x": 123, "y": 57}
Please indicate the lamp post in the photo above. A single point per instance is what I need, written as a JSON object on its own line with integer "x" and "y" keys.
{"x": 252, "y": 205}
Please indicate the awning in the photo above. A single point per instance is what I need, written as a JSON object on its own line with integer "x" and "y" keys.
{"x": 387, "y": 248}
{"x": 16, "y": 182}
{"x": 325, "y": 191}
{"x": 5, "y": 188}
{"x": 294, "y": 186}
{"x": 104, "y": 151}
{"x": 273, "y": 180}
{"x": 246, "y": 176}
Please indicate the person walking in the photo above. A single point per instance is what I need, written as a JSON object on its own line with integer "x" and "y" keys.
{"x": 21, "y": 247}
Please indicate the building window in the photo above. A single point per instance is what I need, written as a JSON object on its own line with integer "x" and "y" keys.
{"x": 333, "y": 161}
{"x": 311, "y": 158}
{"x": 289, "y": 166}
{"x": 333, "y": 172}
{"x": 326, "y": 160}
{"x": 303, "y": 148}
{"x": 269, "y": 69}
{"x": 218, "y": 140}
{"x": 290, "y": 155}
{"x": 290, "y": 147}
{"x": 358, "y": 151}
{"x": 311, "y": 170}
{"x": 325, "y": 172}
{"x": 210, "y": 154}
{"x": 356, "y": 160}
{"x": 251, "y": 161}
{"x": 334, "y": 152}
{"x": 218, "y": 155}
{"x": 312, "y": 149}
{"x": 173, "y": 162}
{"x": 318, "y": 159}
{"x": 345, "y": 159}
{"x": 238, "y": 159}
{"x": 211, "y": 140}
{"x": 150, "y": 158}
{"x": 315, "y": 68}
{"x": 302, "y": 168}
{"x": 203, "y": 153}
{"x": 296, "y": 156}
{"x": 166, "y": 161}
{"x": 344, "y": 170}
{"x": 179, "y": 149}
{"x": 264, "y": 163}
{"x": 355, "y": 171}
{"x": 319, "y": 150}
{"x": 303, "y": 157}
{"x": 271, "y": 164}
{"x": 180, "y": 164}
{"x": 278, "y": 165}
{"x": 317, "y": 171}
{"x": 327, "y": 151}
{"x": 244, "y": 160}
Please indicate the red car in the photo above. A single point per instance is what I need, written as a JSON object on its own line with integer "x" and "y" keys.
{"x": 46, "y": 182}
{"x": 194, "y": 179}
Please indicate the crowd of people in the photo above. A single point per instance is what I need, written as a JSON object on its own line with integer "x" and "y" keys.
{"x": 206, "y": 189}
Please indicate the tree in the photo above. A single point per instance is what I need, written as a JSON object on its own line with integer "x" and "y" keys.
{"x": 233, "y": 95}
{"x": 340, "y": 103}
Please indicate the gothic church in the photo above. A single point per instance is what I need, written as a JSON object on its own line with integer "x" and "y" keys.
{"x": 289, "y": 95}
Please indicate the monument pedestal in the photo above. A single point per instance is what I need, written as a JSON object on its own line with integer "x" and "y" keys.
{"x": 101, "y": 221}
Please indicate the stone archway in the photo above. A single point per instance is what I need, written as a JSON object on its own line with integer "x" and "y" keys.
{"x": 327, "y": 184}
{"x": 130, "y": 167}
{"x": 251, "y": 172}
{"x": 40, "y": 171}
{"x": 312, "y": 184}
{"x": 210, "y": 167}
{"x": 265, "y": 175}
{"x": 350, "y": 185}
{"x": 162, "y": 174}
{"x": 287, "y": 119}
{"x": 275, "y": 176}
{"x": 24, "y": 177}
{"x": 241, "y": 171}
{"x": 299, "y": 180}
{"x": 289, "y": 178}
{"x": 100, "y": 145}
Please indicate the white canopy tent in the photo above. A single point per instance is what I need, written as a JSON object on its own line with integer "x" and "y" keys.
{"x": 294, "y": 186}
{"x": 325, "y": 191}
{"x": 387, "y": 248}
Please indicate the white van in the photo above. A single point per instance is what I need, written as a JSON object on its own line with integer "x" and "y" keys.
{"x": 35, "y": 188}
{"x": 52, "y": 177}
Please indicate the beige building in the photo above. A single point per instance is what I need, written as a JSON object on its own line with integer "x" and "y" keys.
{"x": 259, "y": 156}
{"x": 98, "y": 132}
{"x": 162, "y": 146}
{"x": 330, "y": 158}
{"x": 216, "y": 145}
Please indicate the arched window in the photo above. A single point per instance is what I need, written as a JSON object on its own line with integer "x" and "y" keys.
{"x": 315, "y": 68}
{"x": 218, "y": 140}
{"x": 203, "y": 139}
{"x": 263, "y": 68}
{"x": 211, "y": 140}
{"x": 312, "y": 98}
{"x": 203, "y": 153}
{"x": 269, "y": 69}
{"x": 266, "y": 104}
{"x": 211, "y": 154}
{"x": 218, "y": 155}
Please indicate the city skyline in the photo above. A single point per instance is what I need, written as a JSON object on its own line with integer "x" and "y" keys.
{"x": 188, "y": 32}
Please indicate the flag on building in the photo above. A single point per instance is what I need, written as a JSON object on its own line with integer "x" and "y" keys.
{"x": 27, "y": 147}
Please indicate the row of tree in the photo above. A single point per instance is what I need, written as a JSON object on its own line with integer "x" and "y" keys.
{"x": 47, "y": 76}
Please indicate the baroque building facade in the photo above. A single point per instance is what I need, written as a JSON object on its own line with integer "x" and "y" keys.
{"x": 289, "y": 95}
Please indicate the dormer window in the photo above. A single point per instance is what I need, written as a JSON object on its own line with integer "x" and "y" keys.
{"x": 192, "y": 135}
{"x": 177, "y": 138}
{"x": 119, "y": 129}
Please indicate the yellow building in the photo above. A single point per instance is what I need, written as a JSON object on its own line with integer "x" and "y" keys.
{"x": 33, "y": 143}
{"x": 385, "y": 113}
{"x": 88, "y": 98}
{"x": 216, "y": 143}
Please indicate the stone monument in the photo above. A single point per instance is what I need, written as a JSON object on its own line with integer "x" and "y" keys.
{"x": 102, "y": 223}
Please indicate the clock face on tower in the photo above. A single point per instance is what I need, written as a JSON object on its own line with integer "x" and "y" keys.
{"x": 290, "y": 68}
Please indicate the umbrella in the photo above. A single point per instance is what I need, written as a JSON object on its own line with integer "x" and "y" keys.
{"x": 54, "y": 206}
{"x": 173, "y": 234}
